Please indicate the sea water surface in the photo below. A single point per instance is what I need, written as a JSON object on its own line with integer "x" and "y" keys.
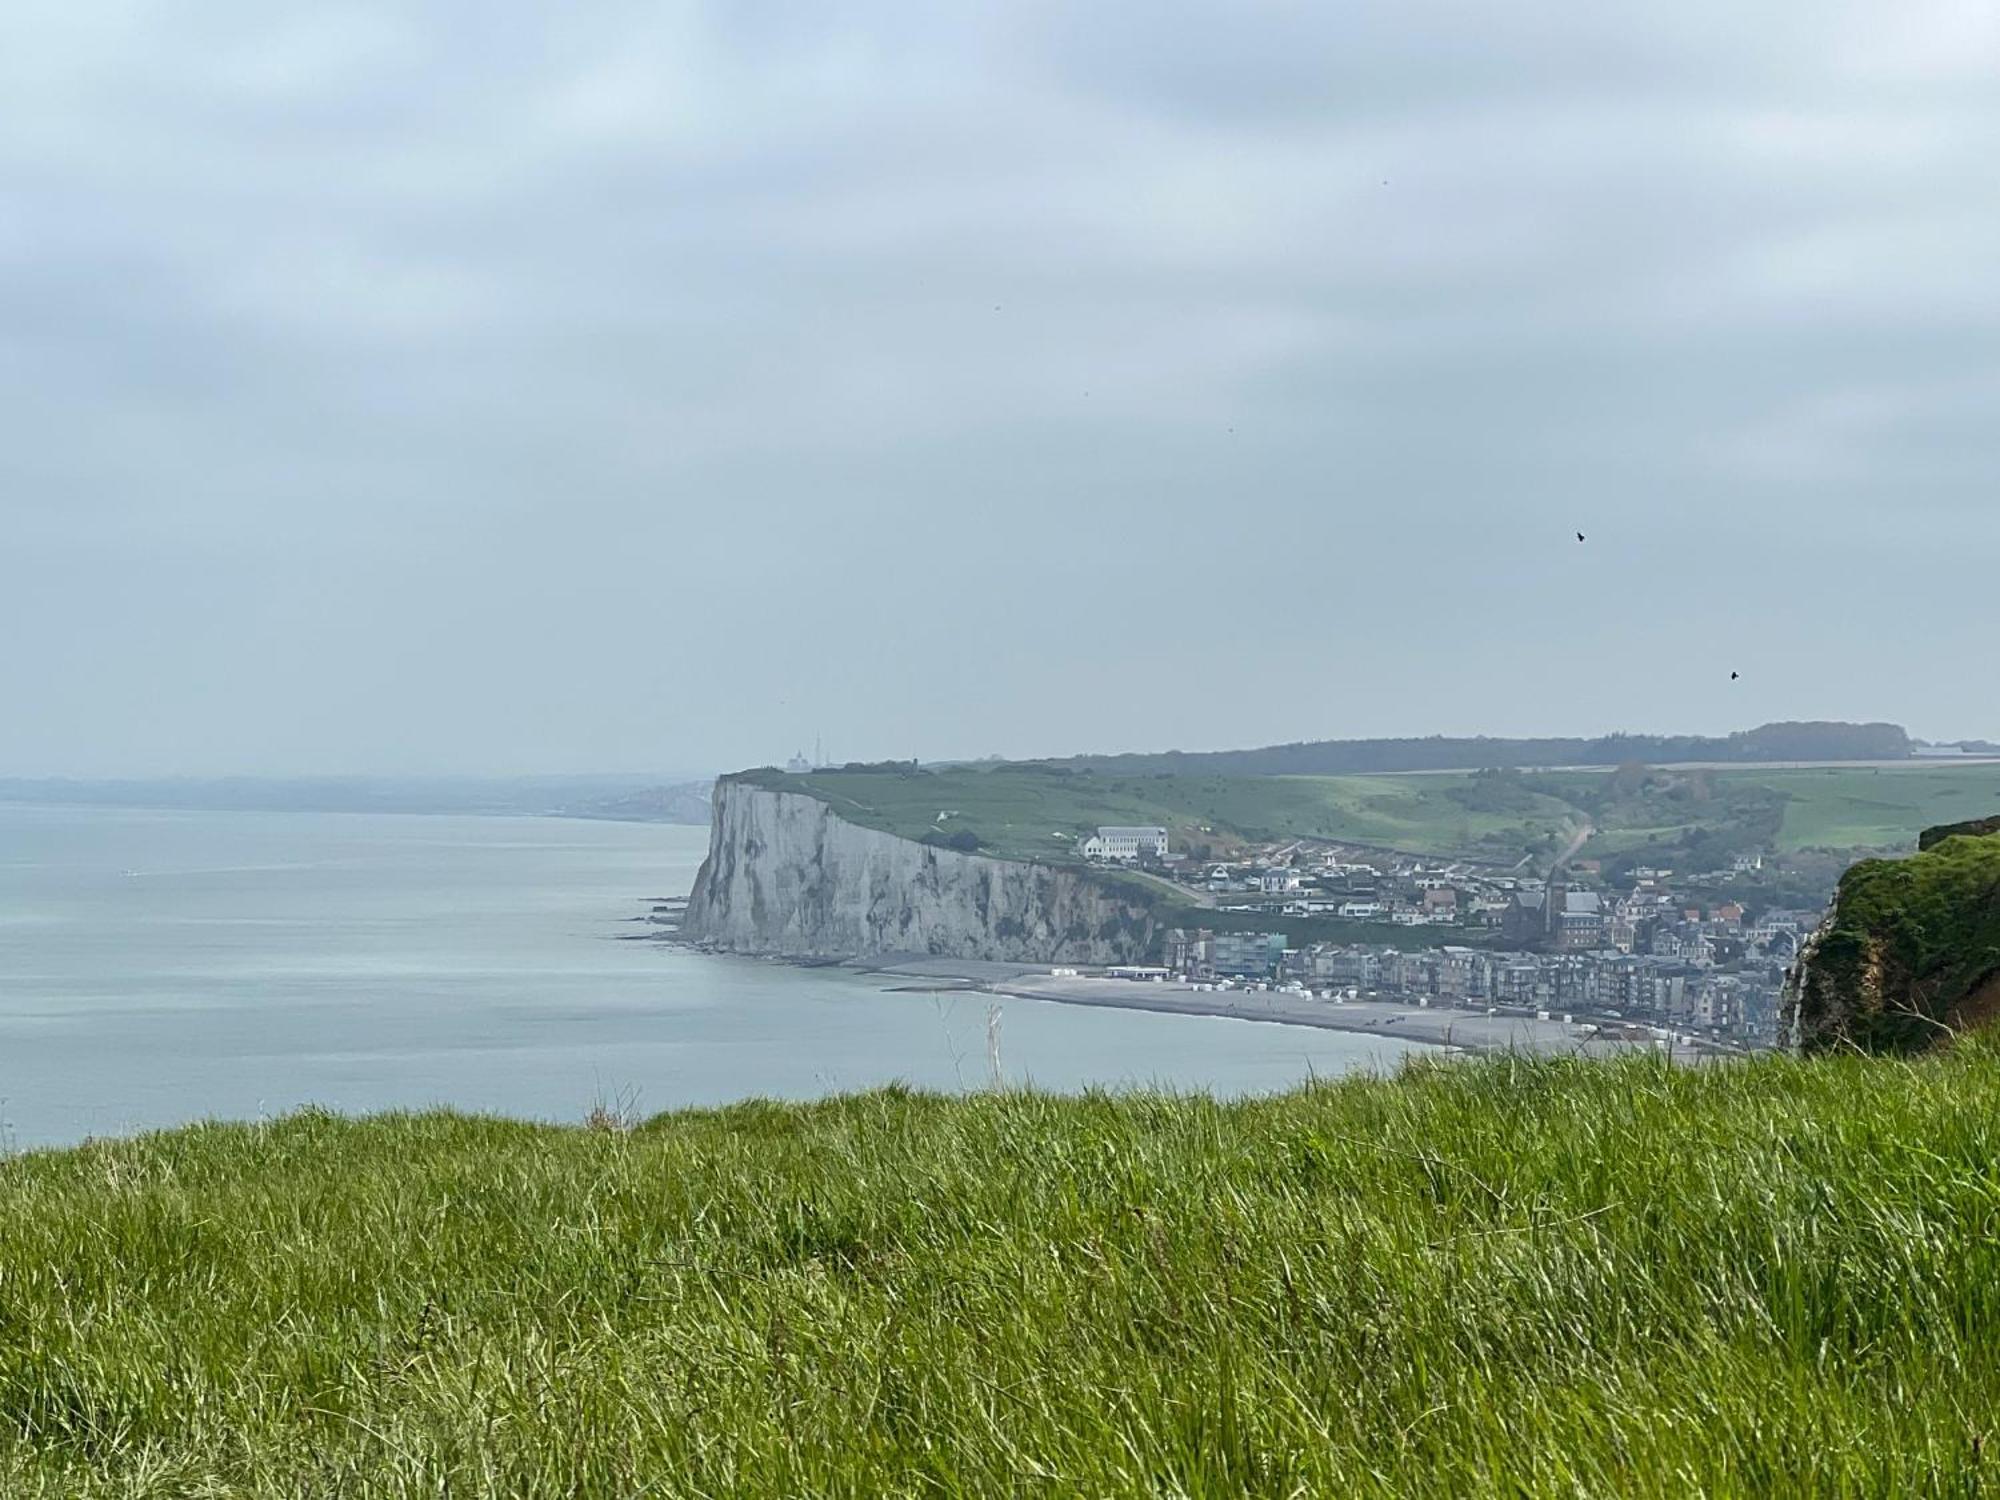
{"x": 163, "y": 967}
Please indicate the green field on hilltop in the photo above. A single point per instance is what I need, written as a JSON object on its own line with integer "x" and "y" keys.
{"x": 1035, "y": 812}
{"x": 1688, "y": 818}
{"x": 1838, "y": 808}
{"x": 1505, "y": 1277}
{"x": 1867, "y": 809}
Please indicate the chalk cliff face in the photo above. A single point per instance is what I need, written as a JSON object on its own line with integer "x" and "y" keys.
{"x": 785, "y": 876}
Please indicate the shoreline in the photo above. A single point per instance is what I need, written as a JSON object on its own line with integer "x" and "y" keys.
{"x": 1452, "y": 1029}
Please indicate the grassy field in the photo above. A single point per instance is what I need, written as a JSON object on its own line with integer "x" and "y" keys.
{"x": 1032, "y": 812}
{"x": 1866, "y": 809}
{"x": 1497, "y": 1278}
{"x": 1038, "y": 813}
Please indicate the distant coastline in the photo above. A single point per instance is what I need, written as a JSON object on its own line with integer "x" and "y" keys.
{"x": 607, "y": 798}
{"x": 1481, "y": 1029}
{"x": 1453, "y": 1029}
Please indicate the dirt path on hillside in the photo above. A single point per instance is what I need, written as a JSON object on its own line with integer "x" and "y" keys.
{"x": 1575, "y": 846}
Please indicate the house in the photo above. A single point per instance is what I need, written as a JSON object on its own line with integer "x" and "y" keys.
{"x": 1356, "y": 968}
{"x": 1518, "y": 982}
{"x": 1579, "y": 982}
{"x": 1464, "y": 974}
{"x": 1249, "y": 955}
{"x": 1406, "y": 973}
{"x": 1190, "y": 952}
{"x": 1651, "y": 989}
{"x": 1682, "y": 941}
{"x": 1526, "y": 920}
{"x": 1782, "y": 945}
{"x": 1126, "y": 844}
{"x": 1579, "y": 924}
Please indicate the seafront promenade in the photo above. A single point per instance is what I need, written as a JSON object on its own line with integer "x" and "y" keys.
{"x": 1437, "y": 1024}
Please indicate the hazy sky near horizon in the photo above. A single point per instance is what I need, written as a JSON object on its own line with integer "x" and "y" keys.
{"x": 495, "y": 387}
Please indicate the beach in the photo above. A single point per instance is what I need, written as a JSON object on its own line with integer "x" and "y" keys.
{"x": 1469, "y": 1028}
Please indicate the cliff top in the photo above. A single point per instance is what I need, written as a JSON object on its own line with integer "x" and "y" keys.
{"x": 1674, "y": 817}
{"x": 1690, "y": 1277}
{"x": 1911, "y": 953}
{"x": 1973, "y": 828}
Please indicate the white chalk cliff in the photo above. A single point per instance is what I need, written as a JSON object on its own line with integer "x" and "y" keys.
{"x": 785, "y": 876}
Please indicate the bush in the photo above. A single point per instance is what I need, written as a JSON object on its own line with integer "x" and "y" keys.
{"x": 964, "y": 840}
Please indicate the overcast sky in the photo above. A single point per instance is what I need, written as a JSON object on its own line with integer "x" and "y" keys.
{"x": 497, "y": 387}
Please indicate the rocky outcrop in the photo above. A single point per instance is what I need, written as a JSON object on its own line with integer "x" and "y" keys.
{"x": 785, "y": 876}
{"x": 1909, "y": 955}
{"x": 1976, "y": 828}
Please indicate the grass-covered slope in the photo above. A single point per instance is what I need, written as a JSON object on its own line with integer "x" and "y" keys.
{"x": 1043, "y": 812}
{"x": 1500, "y": 1278}
{"x": 1876, "y": 808}
{"x": 1689, "y": 820}
{"x": 1911, "y": 953}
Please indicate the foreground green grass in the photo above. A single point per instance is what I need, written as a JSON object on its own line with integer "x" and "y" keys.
{"x": 1497, "y": 1278}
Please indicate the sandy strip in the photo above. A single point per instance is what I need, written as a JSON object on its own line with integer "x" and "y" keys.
{"x": 1434, "y": 1025}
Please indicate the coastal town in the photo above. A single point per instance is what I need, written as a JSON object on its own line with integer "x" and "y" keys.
{"x": 1645, "y": 948}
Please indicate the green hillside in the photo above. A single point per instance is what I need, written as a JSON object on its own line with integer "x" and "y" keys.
{"x": 1687, "y": 818}
{"x": 1037, "y": 812}
{"x": 1873, "y": 809}
{"x": 1478, "y": 1279}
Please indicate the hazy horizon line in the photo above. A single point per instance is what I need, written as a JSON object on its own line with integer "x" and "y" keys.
{"x": 684, "y": 775}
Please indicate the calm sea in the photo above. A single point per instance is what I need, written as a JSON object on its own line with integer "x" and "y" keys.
{"x": 161, "y": 967}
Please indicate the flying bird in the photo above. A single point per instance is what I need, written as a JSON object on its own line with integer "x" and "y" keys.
{"x": 1579, "y": 536}
{"x": 1734, "y": 675}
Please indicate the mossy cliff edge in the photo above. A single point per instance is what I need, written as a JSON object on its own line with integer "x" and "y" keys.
{"x": 1909, "y": 955}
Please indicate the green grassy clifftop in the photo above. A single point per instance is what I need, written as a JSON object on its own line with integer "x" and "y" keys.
{"x": 1498, "y": 1278}
{"x": 1688, "y": 819}
{"x": 1043, "y": 812}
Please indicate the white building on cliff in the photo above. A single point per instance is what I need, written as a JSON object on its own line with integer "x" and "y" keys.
{"x": 1126, "y": 843}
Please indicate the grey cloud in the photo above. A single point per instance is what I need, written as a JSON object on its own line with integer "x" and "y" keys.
{"x": 499, "y": 388}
